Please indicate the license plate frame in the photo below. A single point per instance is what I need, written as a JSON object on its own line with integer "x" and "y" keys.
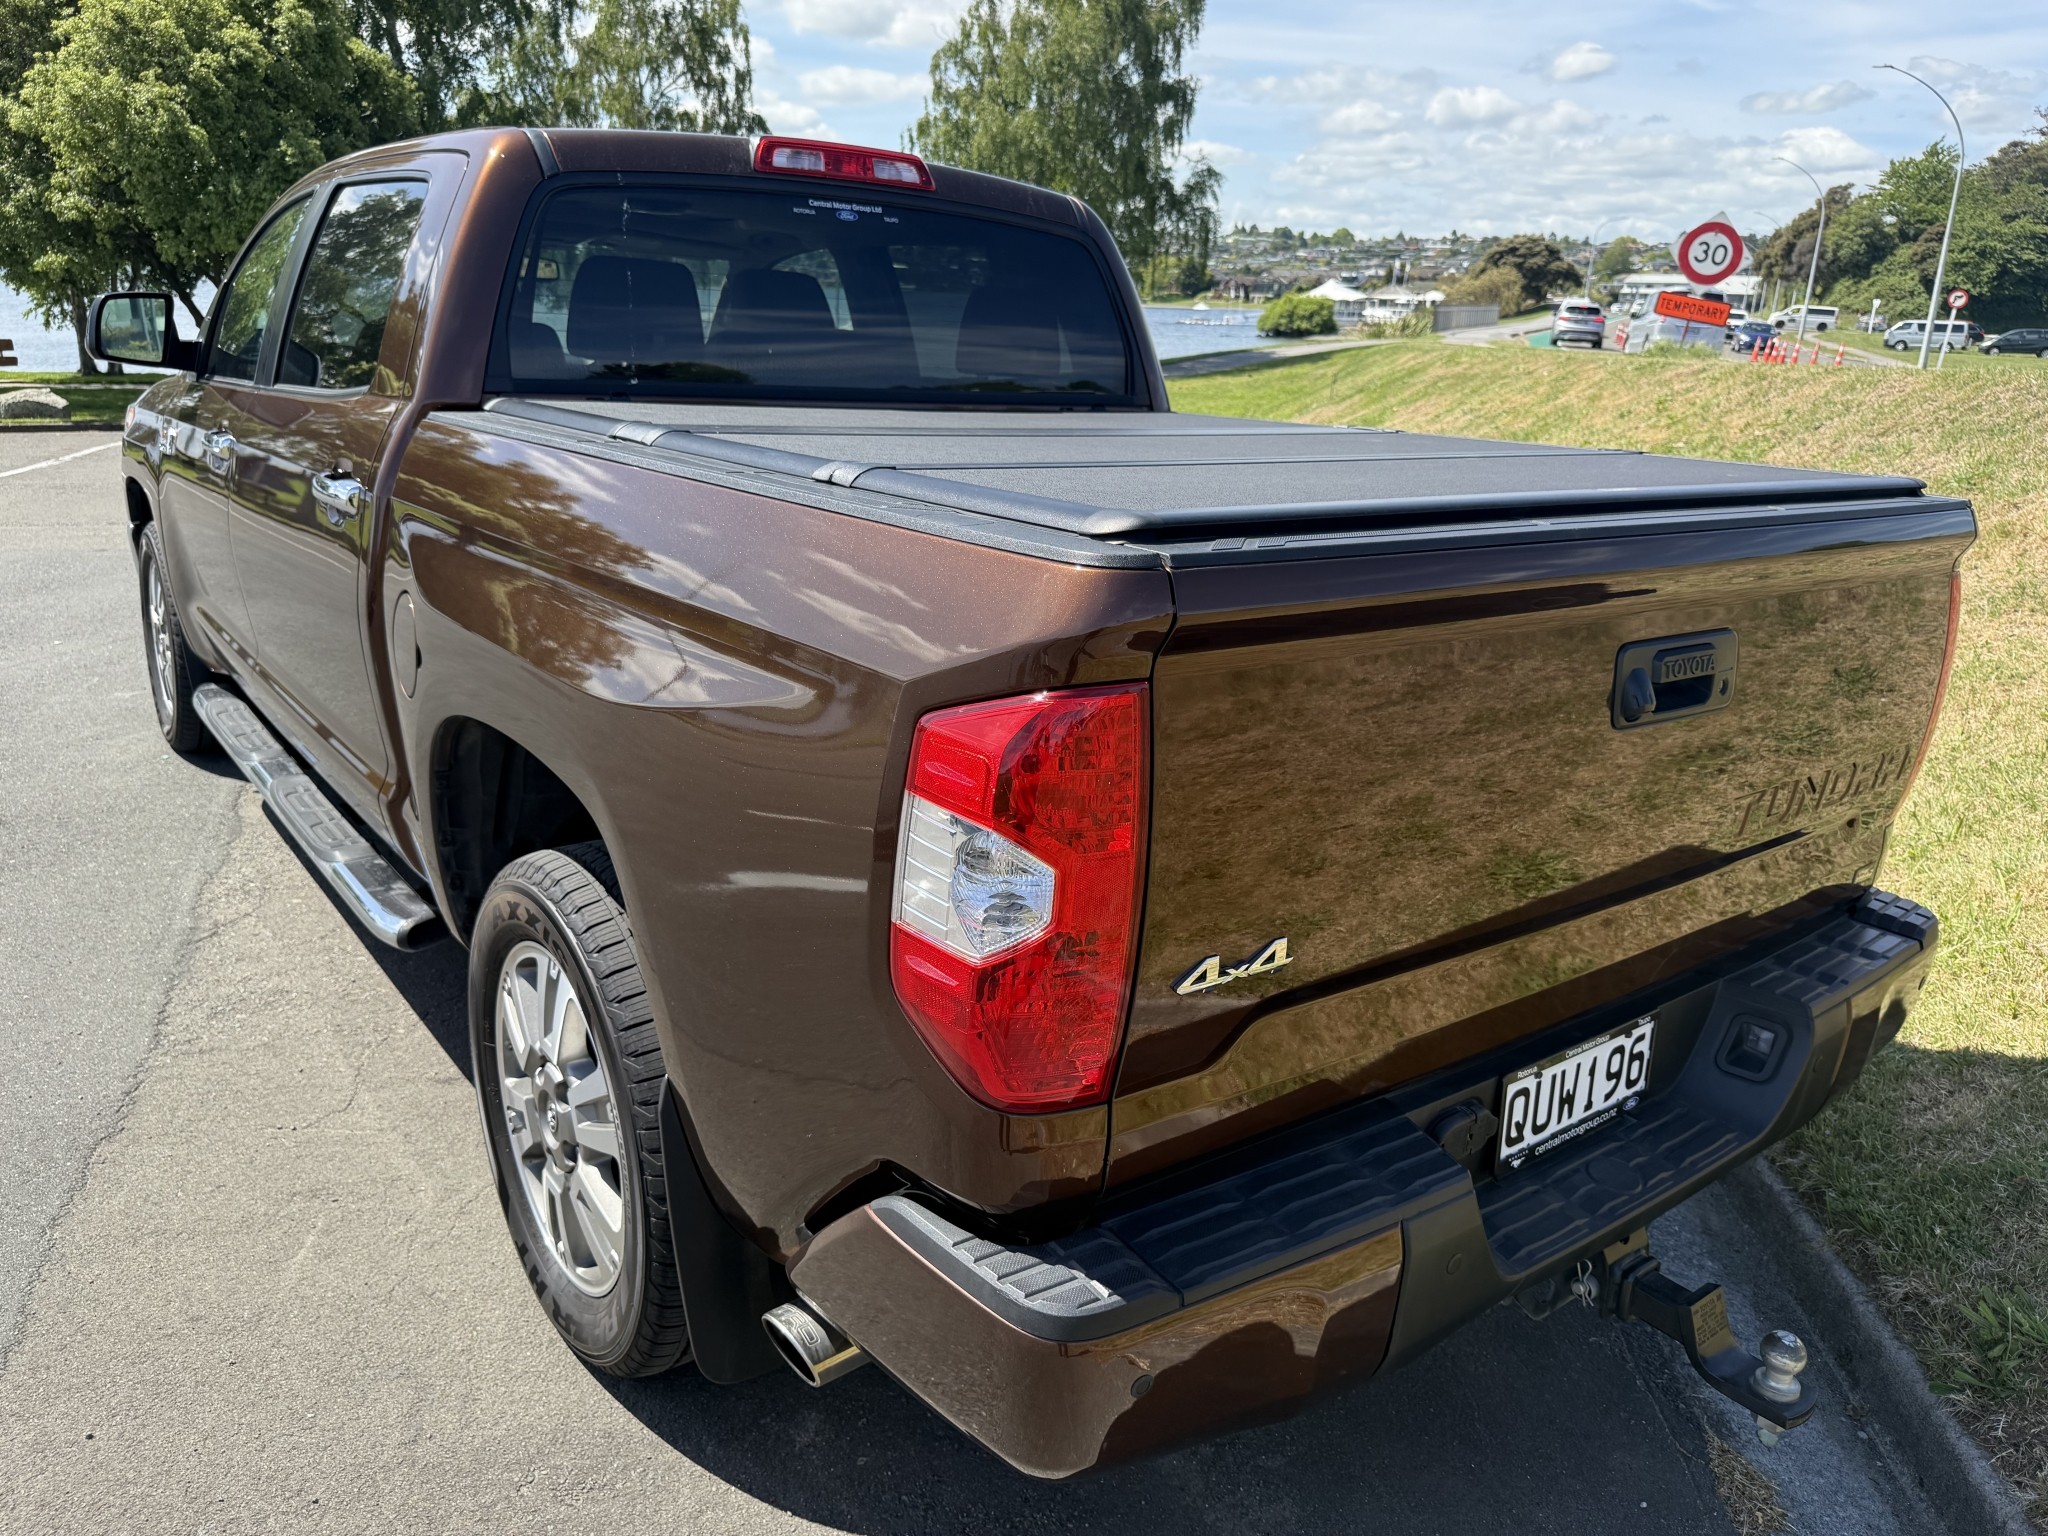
{"x": 1590, "y": 1083}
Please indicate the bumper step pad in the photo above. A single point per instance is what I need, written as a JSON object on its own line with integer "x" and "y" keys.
{"x": 1337, "y": 1181}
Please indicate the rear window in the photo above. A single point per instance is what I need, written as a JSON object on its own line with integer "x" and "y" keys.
{"x": 805, "y": 293}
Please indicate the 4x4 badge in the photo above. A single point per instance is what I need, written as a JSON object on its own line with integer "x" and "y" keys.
{"x": 1212, "y": 972}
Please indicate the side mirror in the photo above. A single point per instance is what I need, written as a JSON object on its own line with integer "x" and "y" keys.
{"x": 138, "y": 328}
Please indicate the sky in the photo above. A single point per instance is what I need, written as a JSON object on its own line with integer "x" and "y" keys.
{"x": 1636, "y": 119}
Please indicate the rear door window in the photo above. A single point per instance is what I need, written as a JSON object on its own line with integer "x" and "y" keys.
{"x": 793, "y": 293}
{"x": 352, "y": 275}
{"x": 245, "y": 305}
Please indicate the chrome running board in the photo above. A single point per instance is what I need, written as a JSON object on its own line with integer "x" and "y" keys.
{"x": 368, "y": 884}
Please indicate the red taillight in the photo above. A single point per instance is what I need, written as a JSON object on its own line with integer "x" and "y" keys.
{"x": 841, "y": 162}
{"x": 1948, "y": 661}
{"x": 1017, "y": 876}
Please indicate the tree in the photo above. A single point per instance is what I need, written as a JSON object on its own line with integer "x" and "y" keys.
{"x": 1881, "y": 246}
{"x": 169, "y": 126}
{"x": 1617, "y": 259}
{"x": 1539, "y": 267}
{"x": 443, "y": 48}
{"x": 1087, "y": 97}
{"x": 1788, "y": 253}
{"x": 1501, "y": 286}
{"x": 670, "y": 64}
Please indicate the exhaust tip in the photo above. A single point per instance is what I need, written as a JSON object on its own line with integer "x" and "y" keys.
{"x": 811, "y": 1347}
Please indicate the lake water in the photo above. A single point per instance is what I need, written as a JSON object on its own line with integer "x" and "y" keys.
{"x": 1181, "y": 332}
{"x": 1176, "y": 332}
{"x": 41, "y": 350}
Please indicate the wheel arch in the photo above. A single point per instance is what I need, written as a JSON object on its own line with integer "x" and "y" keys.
{"x": 491, "y": 798}
{"x": 141, "y": 510}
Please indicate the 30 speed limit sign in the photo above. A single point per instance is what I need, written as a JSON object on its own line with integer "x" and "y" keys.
{"x": 1710, "y": 253}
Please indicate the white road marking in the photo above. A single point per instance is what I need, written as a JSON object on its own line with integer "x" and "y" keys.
{"x": 60, "y": 459}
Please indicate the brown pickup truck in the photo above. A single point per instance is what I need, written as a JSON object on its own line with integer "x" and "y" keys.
{"x": 1121, "y": 918}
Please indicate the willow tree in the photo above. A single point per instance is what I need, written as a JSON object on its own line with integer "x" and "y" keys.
{"x": 673, "y": 64}
{"x": 1086, "y": 96}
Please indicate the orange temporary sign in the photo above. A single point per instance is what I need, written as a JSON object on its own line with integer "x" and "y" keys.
{"x": 1683, "y": 306}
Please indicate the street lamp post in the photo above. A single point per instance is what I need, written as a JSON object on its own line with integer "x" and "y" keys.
{"x": 1593, "y": 255}
{"x": 1772, "y": 222}
{"x": 1941, "y": 261}
{"x": 1813, "y": 266}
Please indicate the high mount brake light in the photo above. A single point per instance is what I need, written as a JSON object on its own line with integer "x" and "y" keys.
{"x": 1017, "y": 875}
{"x": 841, "y": 162}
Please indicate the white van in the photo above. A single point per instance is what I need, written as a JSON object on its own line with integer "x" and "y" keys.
{"x": 1819, "y": 317}
{"x": 1949, "y": 335}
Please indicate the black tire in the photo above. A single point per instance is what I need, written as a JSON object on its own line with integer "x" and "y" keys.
{"x": 174, "y": 671}
{"x": 1991, "y": 351}
{"x": 567, "y": 902}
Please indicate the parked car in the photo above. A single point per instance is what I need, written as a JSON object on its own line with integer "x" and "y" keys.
{"x": 1948, "y": 336}
{"x": 1819, "y": 317}
{"x": 2032, "y": 339}
{"x": 1750, "y": 335}
{"x": 1581, "y": 321}
{"x": 1123, "y": 918}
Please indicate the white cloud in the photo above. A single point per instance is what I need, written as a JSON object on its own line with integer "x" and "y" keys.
{"x": 1222, "y": 156}
{"x": 1559, "y": 116}
{"x": 1828, "y": 149}
{"x": 2001, "y": 98}
{"x": 1581, "y": 61}
{"x": 798, "y": 118}
{"x": 1318, "y": 87}
{"x": 892, "y": 23}
{"x": 1470, "y": 104}
{"x": 1831, "y": 97}
{"x": 1359, "y": 117}
{"x": 840, "y": 85}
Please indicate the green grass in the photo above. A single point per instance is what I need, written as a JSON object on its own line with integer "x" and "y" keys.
{"x": 1932, "y": 1176}
{"x": 93, "y": 397}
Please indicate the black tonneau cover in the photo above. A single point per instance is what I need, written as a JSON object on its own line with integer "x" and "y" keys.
{"x": 1154, "y": 475}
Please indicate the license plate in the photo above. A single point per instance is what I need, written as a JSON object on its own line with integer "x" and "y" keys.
{"x": 1574, "y": 1091}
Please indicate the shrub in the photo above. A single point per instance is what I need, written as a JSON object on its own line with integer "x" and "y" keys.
{"x": 1298, "y": 314}
{"x": 1418, "y": 322}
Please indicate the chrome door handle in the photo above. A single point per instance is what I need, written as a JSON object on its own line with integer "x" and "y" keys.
{"x": 220, "y": 452}
{"x": 340, "y": 496}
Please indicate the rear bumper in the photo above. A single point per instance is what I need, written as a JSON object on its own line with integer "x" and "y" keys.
{"x": 1230, "y": 1292}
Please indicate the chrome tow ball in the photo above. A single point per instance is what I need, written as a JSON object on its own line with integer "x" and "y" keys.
{"x": 1634, "y": 1288}
{"x": 1784, "y": 1357}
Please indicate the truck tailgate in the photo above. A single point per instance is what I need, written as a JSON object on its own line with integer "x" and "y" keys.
{"x": 1402, "y": 752}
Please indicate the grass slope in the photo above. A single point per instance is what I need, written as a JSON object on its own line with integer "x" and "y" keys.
{"x": 1932, "y": 1175}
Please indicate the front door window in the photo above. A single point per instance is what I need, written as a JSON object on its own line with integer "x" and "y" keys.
{"x": 245, "y": 305}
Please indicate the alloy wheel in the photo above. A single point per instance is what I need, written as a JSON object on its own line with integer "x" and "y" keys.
{"x": 561, "y": 1119}
{"x": 162, "y": 676}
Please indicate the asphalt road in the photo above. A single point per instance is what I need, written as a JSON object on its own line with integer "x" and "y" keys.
{"x": 252, "y": 1278}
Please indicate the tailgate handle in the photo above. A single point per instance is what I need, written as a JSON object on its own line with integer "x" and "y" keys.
{"x": 1670, "y": 677}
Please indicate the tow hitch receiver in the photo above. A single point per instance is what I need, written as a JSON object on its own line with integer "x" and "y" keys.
{"x": 1632, "y": 1287}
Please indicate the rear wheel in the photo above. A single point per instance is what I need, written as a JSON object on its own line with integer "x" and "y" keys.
{"x": 569, "y": 1079}
{"x": 174, "y": 671}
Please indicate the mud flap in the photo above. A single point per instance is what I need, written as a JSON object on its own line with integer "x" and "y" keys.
{"x": 728, "y": 1283}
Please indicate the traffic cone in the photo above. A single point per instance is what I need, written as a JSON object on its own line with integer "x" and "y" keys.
{"x": 1839, "y": 349}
